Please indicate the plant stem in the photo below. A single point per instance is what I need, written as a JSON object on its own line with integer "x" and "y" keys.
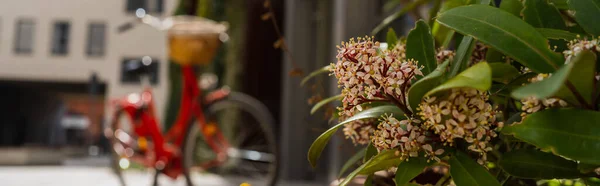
{"x": 400, "y": 105}
{"x": 577, "y": 95}
{"x": 504, "y": 181}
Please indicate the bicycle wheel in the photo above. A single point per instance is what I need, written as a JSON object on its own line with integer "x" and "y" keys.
{"x": 252, "y": 156}
{"x": 130, "y": 153}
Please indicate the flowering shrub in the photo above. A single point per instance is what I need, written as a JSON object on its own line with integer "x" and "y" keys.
{"x": 515, "y": 99}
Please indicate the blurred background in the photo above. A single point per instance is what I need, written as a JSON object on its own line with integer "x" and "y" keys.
{"x": 62, "y": 61}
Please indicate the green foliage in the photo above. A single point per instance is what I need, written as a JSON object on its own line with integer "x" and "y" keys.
{"x": 409, "y": 169}
{"x": 465, "y": 171}
{"x": 378, "y": 162}
{"x": 324, "y": 102}
{"x": 391, "y": 38}
{"x": 314, "y": 152}
{"x": 534, "y": 164}
{"x": 313, "y": 74}
{"x": 531, "y": 70}
{"x": 479, "y": 77}
{"x": 504, "y": 32}
{"x": 353, "y": 160}
{"x": 503, "y": 72}
{"x": 421, "y": 87}
{"x": 578, "y": 74}
{"x": 572, "y": 133}
{"x": 420, "y": 47}
{"x": 541, "y": 14}
{"x": 586, "y": 14}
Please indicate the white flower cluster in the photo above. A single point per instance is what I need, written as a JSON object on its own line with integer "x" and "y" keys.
{"x": 444, "y": 55}
{"x": 577, "y": 46}
{"x": 360, "y": 131}
{"x": 465, "y": 113}
{"x": 532, "y": 104}
{"x": 404, "y": 135}
{"x": 366, "y": 73}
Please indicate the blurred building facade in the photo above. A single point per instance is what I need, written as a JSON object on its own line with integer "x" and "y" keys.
{"x": 49, "y": 51}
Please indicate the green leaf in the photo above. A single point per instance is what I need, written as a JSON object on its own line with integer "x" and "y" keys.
{"x": 324, "y": 102}
{"x": 554, "y": 86}
{"x": 353, "y": 160}
{"x": 560, "y": 4}
{"x": 557, "y": 34}
{"x": 391, "y": 38}
{"x": 381, "y": 161}
{"x": 534, "y": 164}
{"x": 420, "y": 47}
{"x": 397, "y": 15}
{"x": 369, "y": 181}
{"x": 410, "y": 169}
{"x": 370, "y": 152}
{"x": 421, "y": 87}
{"x": 582, "y": 76}
{"x": 479, "y": 77}
{"x": 540, "y": 14}
{"x": 466, "y": 172}
{"x": 586, "y": 14}
{"x": 586, "y": 167}
{"x": 493, "y": 55}
{"x": 463, "y": 56}
{"x": 443, "y": 34}
{"x": 503, "y": 72}
{"x": 323, "y": 70}
{"x": 512, "y": 6}
{"x": 572, "y": 133}
{"x": 437, "y": 5}
{"x": 314, "y": 152}
{"x": 504, "y": 32}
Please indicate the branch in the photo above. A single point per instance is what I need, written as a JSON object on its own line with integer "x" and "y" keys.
{"x": 578, "y": 96}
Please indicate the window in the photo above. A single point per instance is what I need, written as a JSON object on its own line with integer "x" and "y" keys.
{"x": 60, "y": 38}
{"x": 129, "y": 76}
{"x": 96, "y": 39}
{"x": 24, "y": 36}
{"x": 151, "y": 6}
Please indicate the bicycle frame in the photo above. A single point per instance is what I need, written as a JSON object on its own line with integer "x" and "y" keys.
{"x": 168, "y": 159}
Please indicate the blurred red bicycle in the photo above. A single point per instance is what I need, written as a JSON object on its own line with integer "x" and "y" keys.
{"x": 220, "y": 132}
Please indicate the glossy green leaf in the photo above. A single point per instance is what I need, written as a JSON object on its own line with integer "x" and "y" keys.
{"x": 534, "y": 164}
{"x": 353, "y": 160}
{"x": 463, "y": 56}
{"x": 541, "y": 14}
{"x": 369, "y": 181}
{"x": 560, "y": 4}
{"x": 512, "y": 6}
{"x": 503, "y": 72}
{"x": 479, "y": 77}
{"x": 504, "y": 32}
{"x": 493, "y": 55}
{"x": 391, "y": 38}
{"x": 582, "y": 77}
{"x": 323, "y": 70}
{"x": 421, "y": 87}
{"x": 410, "y": 169}
{"x": 381, "y": 161}
{"x": 397, "y": 15}
{"x": 443, "y": 34}
{"x": 586, "y": 14}
{"x": 314, "y": 152}
{"x": 324, "y": 102}
{"x": 437, "y": 5}
{"x": 557, "y": 34}
{"x": 370, "y": 152}
{"x": 587, "y": 168}
{"x": 420, "y": 47}
{"x": 579, "y": 72}
{"x": 466, "y": 172}
{"x": 571, "y": 133}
